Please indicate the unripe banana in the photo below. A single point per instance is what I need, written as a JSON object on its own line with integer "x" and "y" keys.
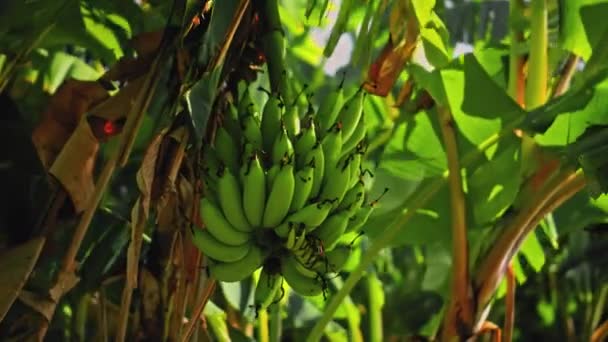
{"x": 238, "y": 270}
{"x": 355, "y": 169}
{"x": 230, "y": 121}
{"x": 291, "y": 239}
{"x": 279, "y": 199}
{"x": 252, "y": 132}
{"x": 231, "y": 199}
{"x": 300, "y": 240}
{"x": 302, "y": 284}
{"x": 211, "y": 163}
{"x": 329, "y": 109}
{"x": 245, "y": 103}
{"x": 305, "y": 142}
{"x": 311, "y": 215}
{"x": 350, "y": 114}
{"x": 271, "y": 120}
{"x": 219, "y": 227}
{"x": 358, "y": 135}
{"x": 254, "y": 191}
{"x": 271, "y": 174}
{"x": 317, "y": 157}
{"x": 337, "y": 180}
{"x": 267, "y": 288}
{"x": 353, "y": 199}
{"x": 334, "y": 260}
{"x": 303, "y": 186}
{"x": 332, "y": 144}
{"x": 284, "y": 229}
{"x": 282, "y": 147}
{"x": 292, "y": 120}
{"x": 227, "y": 149}
{"x": 360, "y": 217}
{"x": 332, "y": 229}
{"x": 216, "y": 250}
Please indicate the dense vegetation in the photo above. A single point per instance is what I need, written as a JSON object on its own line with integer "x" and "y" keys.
{"x": 162, "y": 176}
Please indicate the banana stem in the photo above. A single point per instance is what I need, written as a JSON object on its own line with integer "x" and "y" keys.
{"x": 460, "y": 307}
{"x": 276, "y": 322}
{"x": 516, "y": 60}
{"x": 375, "y": 295}
{"x": 509, "y": 305}
{"x": 273, "y": 42}
{"x": 536, "y": 88}
{"x": 263, "y": 325}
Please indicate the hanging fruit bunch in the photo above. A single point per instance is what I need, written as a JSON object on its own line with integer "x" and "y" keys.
{"x": 283, "y": 190}
{"x": 281, "y": 197}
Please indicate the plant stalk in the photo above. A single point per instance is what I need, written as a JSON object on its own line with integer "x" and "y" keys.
{"x": 516, "y": 87}
{"x": 460, "y": 308}
{"x": 536, "y": 86}
{"x": 375, "y": 295}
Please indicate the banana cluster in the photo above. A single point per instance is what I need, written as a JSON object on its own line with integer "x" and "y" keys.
{"x": 281, "y": 193}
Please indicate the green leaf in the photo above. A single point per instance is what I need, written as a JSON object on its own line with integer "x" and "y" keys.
{"x": 533, "y": 252}
{"x": 483, "y": 97}
{"x": 494, "y": 185}
{"x": 200, "y": 100}
{"x": 423, "y": 10}
{"x": 435, "y": 47}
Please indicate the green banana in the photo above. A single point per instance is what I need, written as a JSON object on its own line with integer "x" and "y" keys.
{"x": 279, "y": 199}
{"x": 219, "y": 227}
{"x": 360, "y": 218}
{"x": 268, "y": 285}
{"x": 238, "y": 270}
{"x": 332, "y": 144}
{"x": 227, "y": 149}
{"x": 337, "y": 179}
{"x": 282, "y": 147}
{"x": 355, "y": 169}
{"x": 271, "y": 174}
{"x": 252, "y": 131}
{"x": 305, "y": 142}
{"x": 350, "y": 114}
{"x": 311, "y": 215}
{"x": 254, "y": 191}
{"x": 231, "y": 199}
{"x": 358, "y": 135}
{"x": 291, "y": 239}
{"x": 230, "y": 121}
{"x": 300, "y": 240}
{"x": 329, "y": 109}
{"x": 302, "y": 188}
{"x": 284, "y": 229}
{"x": 334, "y": 260}
{"x": 292, "y": 120}
{"x": 353, "y": 199}
{"x": 210, "y": 162}
{"x": 316, "y": 157}
{"x": 217, "y": 250}
{"x": 271, "y": 120}
{"x": 299, "y": 282}
{"x": 332, "y": 229}
{"x": 245, "y": 103}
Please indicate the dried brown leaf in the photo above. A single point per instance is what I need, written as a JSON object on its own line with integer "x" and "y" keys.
{"x": 17, "y": 264}
{"x": 75, "y": 163}
{"x": 63, "y": 113}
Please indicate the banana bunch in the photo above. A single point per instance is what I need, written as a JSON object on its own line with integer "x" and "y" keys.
{"x": 281, "y": 195}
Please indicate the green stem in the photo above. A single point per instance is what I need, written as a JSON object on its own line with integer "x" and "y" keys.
{"x": 516, "y": 59}
{"x": 375, "y": 295}
{"x": 263, "y": 325}
{"x": 536, "y": 88}
{"x": 273, "y": 42}
{"x": 387, "y": 236}
{"x": 599, "y": 307}
{"x": 352, "y": 314}
{"x": 276, "y": 322}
